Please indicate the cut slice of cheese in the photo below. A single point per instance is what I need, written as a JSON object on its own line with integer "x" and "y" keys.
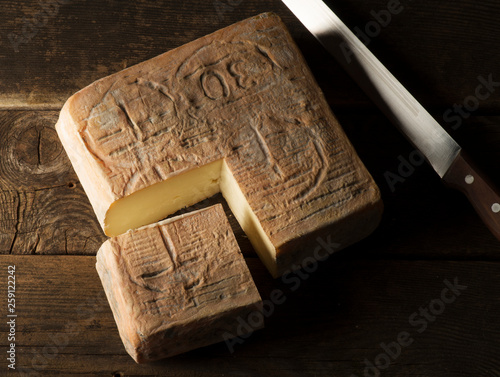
{"x": 193, "y": 186}
{"x": 237, "y": 111}
{"x": 152, "y": 203}
{"x": 178, "y": 285}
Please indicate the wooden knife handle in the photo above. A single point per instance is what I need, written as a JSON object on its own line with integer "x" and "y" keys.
{"x": 485, "y": 198}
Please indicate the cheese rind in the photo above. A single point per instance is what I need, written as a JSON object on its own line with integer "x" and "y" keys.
{"x": 178, "y": 285}
{"x": 243, "y": 96}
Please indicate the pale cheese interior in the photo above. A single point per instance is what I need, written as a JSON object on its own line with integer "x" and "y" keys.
{"x": 155, "y": 202}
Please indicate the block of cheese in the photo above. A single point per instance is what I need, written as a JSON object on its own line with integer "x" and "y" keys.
{"x": 237, "y": 112}
{"x": 178, "y": 284}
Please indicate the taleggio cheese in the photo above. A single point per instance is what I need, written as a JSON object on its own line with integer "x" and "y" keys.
{"x": 178, "y": 285}
{"x": 237, "y": 111}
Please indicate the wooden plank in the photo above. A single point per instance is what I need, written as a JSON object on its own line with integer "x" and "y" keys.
{"x": 77, "y": 42}
{"x": 333, "y": 318}
{"x": 44, "y": 209}
{"x": 338, "y": 317}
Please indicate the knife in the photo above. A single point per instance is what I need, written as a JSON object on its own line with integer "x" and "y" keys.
{"x": 421, "y": 129}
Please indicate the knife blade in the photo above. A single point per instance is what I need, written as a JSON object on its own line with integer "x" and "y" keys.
{"x": 441, "y": 151}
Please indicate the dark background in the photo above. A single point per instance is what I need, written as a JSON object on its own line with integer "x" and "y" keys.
{"x": 336, "y": 320}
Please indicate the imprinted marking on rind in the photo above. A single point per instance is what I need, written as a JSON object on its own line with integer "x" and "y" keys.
{"x": 205, "y": 76}
{"x": 321, "y": 174}
{"x": 132, "y": 124}
{"x": 162, "y": 89}
{"x": 108, "y": 137}
{"x": 169, "y": 247}
{"x": 157, "y": 171}
{"x": 131, "y": 183}
{"x": 155, "y": 274}
{"x": 120, "y": 150}
{"x": 203, "y": 66}
{"x": 267, "y": 152}
{"x": 261, "y": 50}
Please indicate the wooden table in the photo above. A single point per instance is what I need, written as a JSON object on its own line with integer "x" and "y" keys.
{"x": 386, "y": 301}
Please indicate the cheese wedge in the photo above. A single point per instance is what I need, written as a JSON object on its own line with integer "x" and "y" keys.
{"x": 178, "y": 285}
{"x": 239, "y": 112}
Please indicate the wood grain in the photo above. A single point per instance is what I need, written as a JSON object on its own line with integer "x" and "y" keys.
{"x": 44, "y": 208}
{"x": 327, "y": 326}
{"x": 437, "y": 51}
{"x": 358, "y": 299}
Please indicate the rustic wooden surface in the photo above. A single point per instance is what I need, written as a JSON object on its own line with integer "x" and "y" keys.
{"x": 327, "y": 326}
{"x": 339, "y": 316}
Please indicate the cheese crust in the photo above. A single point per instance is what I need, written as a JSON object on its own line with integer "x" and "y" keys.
{"x": 237, "y": 111}
{"x": 178, "y": 285}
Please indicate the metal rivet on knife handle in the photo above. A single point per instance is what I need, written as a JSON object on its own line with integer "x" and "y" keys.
{"x": 482, "y": 194}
